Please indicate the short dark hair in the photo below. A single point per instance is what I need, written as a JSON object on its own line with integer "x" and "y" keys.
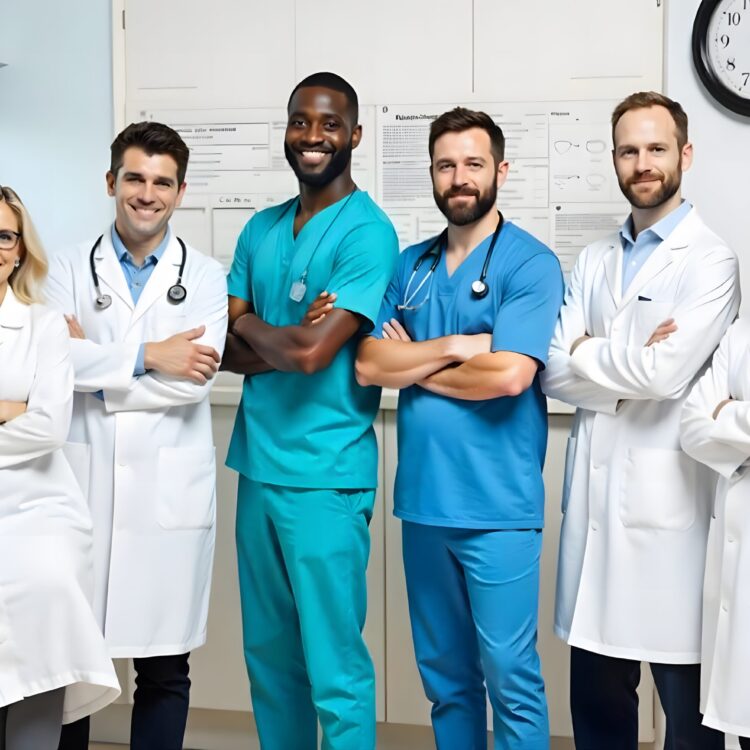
{"x": 459, "y": 119}
{"x": 153, "y": 138}
{"x": 646, "y": 99}
{"x": 334, "y": 82}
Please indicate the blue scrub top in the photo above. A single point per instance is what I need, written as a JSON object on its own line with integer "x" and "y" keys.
{"x": 299, "y": 430}
{"x": 476, "y": 464}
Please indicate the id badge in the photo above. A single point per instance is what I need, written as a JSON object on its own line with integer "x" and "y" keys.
{"x": 297, "y": 292}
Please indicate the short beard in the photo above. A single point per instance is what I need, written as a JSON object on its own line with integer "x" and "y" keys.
{"x": 461, "y": 216}
{"x": 339, "y": 162}
{"x": 669, "y": 186}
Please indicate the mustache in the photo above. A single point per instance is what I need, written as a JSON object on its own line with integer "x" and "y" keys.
{"x": 645, "y": 177}
{"x": 452, "y": 192}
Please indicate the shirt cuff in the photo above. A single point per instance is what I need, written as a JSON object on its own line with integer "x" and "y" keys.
{"x": 140, "y": 368}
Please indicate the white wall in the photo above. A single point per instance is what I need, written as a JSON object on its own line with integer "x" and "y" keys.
{"x": 719, "y": 181}
{"x": 56, "y": 121}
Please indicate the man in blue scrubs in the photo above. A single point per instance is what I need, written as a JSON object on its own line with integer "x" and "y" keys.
{"x": 463, "y": 331}
{"x": 303, "y": 441}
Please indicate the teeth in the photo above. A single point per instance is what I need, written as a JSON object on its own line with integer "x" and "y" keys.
{"x": 313, "y": 157}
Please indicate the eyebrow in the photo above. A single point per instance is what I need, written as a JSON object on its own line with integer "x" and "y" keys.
{"x": 161, "y": 178}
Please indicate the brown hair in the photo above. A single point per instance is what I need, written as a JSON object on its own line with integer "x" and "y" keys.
{"x": 459, "y": 119}
{"x": 153, "y": 138}
{"x": 27, "y": 279}
{"x": 646, "y": 99}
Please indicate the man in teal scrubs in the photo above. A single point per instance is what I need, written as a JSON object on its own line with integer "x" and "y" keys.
{"x": 303, "y": 441}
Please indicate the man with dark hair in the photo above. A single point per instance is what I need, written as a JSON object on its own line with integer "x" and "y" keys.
{"x": 643, "y": 312}
{"x": 147, "y": 315}
{"x": 303, "y": 441}
{"x": 463, "y": 331}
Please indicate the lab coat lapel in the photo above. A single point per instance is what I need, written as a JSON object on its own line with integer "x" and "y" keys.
{"x": 612, "y": 262}
{"x": 110, "y": 273}
{"x": 162, "y": 277}
{"x": 662, "y": 256}
{"x": 14, "y": 315}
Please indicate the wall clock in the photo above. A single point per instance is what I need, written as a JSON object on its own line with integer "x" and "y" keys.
{"x": 721, "y": 51}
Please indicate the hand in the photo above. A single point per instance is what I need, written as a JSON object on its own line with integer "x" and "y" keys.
{"x": 579, "y": 341}
{"x": 180, "y": 357}
{"x": 318, "y": 309}
{"x": 662, "y": 332}
{"x": 464, "y": 346}
{"x": 720, "y": 406}
{"x": 74, "y": 327}
{"x": 11, "y": 409}
{"x": 394, "y": 331}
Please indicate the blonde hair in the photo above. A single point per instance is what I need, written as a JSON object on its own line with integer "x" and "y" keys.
{"x": 27, "y": 279}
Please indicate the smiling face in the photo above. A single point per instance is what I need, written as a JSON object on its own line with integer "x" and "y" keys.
{"x": 146, "y": 192}
{"x": 648, "y": 160}
{"x": 8, "y": 225}
{"x": 465, "y": 177}
{"x": 320, "y": 135}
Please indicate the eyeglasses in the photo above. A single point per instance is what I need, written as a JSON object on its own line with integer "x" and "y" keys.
{"x": 9, "y": 239}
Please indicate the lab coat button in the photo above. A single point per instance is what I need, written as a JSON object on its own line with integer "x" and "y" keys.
{"x": 724, "y": 607}
{"x": 730, "y": 540}
{"x": 121, "y": 464}
{"x": 594, "y": 526}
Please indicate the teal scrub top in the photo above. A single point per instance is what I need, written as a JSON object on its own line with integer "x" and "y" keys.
{"x": 476, "y": 464}
{"x": 298, "y": 430}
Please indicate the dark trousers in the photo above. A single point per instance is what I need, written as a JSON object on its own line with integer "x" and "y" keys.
{"x": 160, "y": 707}
{"x": 604, "y": 704}
{"x": 745, "y": 743}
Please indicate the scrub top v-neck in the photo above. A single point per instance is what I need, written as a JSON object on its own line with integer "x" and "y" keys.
{"x": 300, "y": 430}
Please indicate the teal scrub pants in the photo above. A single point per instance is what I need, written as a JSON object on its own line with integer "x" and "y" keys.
{"x": 302, "y": 557}
{"x": 473, "y": 600}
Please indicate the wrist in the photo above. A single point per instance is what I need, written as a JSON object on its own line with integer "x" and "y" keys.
{"x": 452, "y": 347}
{"x": 150, "y": 355}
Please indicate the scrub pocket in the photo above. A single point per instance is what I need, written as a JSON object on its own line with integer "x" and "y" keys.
{"x": 658, "y": 490}
{"x": 186, "y": 488}
{"x": 78, "y": 456}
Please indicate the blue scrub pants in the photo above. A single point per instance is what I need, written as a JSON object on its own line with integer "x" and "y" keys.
{"x": 302, "y": 557}
{"x": 473, "y": 600}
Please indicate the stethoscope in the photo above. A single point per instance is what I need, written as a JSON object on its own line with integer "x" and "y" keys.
{"x": 479, "y": 288}
{"x": 175, "y": 294}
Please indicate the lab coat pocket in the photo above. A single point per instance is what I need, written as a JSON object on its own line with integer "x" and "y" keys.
{"x": 570, "y": 457}
{"x": 187, "y": 488}
{"x": 658, "y": 490}
{"x": 78, "y": 456}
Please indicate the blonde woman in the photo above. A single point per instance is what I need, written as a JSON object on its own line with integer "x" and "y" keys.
{"x": 54, "y": 666}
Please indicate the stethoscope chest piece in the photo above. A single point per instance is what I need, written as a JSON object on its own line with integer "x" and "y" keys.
{"x": 176, "y": 293}
{"x": 103, "y": 301}
{"x": 479, "y": 288}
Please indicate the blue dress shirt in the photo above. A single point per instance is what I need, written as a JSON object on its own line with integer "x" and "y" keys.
{"x": 636, "y": 251}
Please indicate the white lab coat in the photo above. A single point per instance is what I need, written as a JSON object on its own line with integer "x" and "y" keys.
{"x": 724, "y": 445}
{"x": 146, "y": 451}
{"x": 49, "y": 637}
{"x": 636, "y": 508}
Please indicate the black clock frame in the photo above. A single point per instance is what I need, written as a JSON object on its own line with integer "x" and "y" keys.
{"x": 701, "y": 60}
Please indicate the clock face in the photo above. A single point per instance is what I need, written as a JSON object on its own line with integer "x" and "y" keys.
{"x": 721, "y": 51}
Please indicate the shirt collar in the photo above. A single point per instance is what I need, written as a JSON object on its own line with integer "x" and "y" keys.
{"x": 662, "y": 229}
{"x": 13, "y": 313}
{"x": 124, "y": 254}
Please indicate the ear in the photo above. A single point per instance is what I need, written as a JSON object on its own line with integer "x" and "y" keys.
{"x": 502, "y": 173}
{"x": 356, "y": 136}
{"x": 180, "y": 195}
{"x": 110, "y": 183}
{"x": 686, "y": 157}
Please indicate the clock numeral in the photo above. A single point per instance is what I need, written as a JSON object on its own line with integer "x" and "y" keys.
{"x": 745, "y": 79}
{"x": 733, "y": 18}
{"x": 731, "y": 64}
{"x": 724, "y": 39}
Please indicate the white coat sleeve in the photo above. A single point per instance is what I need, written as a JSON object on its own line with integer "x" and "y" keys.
{"x": 96, "y": 366}
{"x": 44, "y": 426}
{"x": 722, "y": 443}
{"x": 707, "y": 300}
{"x": 559, "y": 380}
{"x": 208, "y": 306}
